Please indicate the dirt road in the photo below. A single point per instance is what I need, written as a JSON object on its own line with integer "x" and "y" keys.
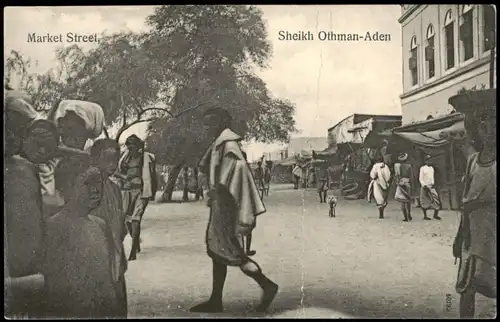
{"x": 354, "y": 265}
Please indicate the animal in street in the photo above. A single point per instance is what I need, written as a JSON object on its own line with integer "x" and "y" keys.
{"x": 332, "y": 203}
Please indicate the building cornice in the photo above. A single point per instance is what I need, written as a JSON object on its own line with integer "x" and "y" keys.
{"x": 408, "y": 12}
{"x": 461, "y": 71}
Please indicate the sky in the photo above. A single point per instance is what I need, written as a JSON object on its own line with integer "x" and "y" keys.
{"x": 326, "y": 80}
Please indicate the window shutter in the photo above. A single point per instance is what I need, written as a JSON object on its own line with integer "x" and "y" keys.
{"x": 429, "y": 53}
{"x": 412, "y": 62}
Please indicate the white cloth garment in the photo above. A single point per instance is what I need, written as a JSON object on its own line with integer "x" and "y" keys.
{"x": 91, "y": 113}
{"x": 426, "y": 176}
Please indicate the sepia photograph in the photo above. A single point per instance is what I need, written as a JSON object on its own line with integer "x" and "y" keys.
{"x": 250, "y": 161}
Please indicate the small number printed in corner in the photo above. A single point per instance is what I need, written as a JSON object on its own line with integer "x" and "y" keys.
{"x": 448, "y": 302}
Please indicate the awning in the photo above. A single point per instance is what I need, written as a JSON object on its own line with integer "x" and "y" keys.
{"x": 434, "y": 133}
{"x": 325, "y": 154}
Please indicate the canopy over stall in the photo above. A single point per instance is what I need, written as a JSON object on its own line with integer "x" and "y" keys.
{"x": 325, "y": 154}
{"x": 428, "y": 134}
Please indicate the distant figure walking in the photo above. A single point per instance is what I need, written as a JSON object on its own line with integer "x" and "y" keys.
{"x": 259, "y": 178}
{"x": 429, "y": 197}
{"x": 323, "y": 183}
{"x": 379, "y": 185}
{"x": 403, "y": 177}
{"x": 267, "y": 177}
{"x": 297, "y": 175}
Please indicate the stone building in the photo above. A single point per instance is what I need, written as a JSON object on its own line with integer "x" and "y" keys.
{"x": 445, "y": 48}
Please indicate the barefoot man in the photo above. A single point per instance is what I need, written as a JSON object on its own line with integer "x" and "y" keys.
{"x": 234, "y": 203}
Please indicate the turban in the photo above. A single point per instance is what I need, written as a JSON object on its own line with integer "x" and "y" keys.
{"x": 91, "y": 113}
{"x": 18, "y": 94}
{"x": 21, "y": 106}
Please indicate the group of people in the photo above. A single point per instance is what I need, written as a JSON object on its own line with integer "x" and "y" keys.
{"x": 475, "y": 243}
{"x": 68, "y": 209}
{"x": 381, "y": 178}
{"x": 319, "y": 175}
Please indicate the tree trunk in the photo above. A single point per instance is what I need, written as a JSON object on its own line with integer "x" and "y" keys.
{"x": 172, "y": 179}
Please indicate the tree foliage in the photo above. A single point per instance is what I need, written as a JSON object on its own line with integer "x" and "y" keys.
{"x": 44, "y": 89}
{"x": 218, "y": 46}
{"x": 194, "y": 57}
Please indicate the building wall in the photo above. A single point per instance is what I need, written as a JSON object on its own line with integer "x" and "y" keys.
{"x": 338, "y": 134}
{"x": 434, "y": 102}
{"x": 430, "y": 95}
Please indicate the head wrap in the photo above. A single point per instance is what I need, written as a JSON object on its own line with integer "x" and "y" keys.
{"x": 18, "y": 103}
{"x": 18, "y": 112}
{"x": 134, "y": 140}
{"x": 103, "y": 144}
{"x": 476, "y": 105}
{"x": 91, "y": 113}
{"x": 18, "y": 94}
{"x": 403, "y": 157}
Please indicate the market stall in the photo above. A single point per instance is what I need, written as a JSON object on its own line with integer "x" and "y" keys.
{"x": 443, "y": 139}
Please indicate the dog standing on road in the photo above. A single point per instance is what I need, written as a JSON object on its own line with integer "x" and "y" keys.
{"x": 332, "y": 202}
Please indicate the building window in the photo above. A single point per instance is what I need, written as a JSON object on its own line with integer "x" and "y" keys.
{"x": 467, "y": 32}
{"x": 489, "y": 27}
{"x": 429, "y": 53}
{"x": 449, "y": 36}
{"x": 413, "y": 63}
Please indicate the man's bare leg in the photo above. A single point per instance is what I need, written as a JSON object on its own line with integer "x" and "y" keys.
{"x": 248, "y": 246}
{"x": 214, "y": 303}
{"x": 252, "y": 269}
{"x": 134, "y": 233}
{"x": 467, "y": 304}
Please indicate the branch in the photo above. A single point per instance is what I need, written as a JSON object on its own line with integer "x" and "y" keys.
{"x": 187, "y": 110}
{"x": 124, "y": 111}
{"x": 128, "y": 126}
{"x": 154, "y": 109}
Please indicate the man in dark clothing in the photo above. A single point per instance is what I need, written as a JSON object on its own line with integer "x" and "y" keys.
{"x": 234, "y": 203}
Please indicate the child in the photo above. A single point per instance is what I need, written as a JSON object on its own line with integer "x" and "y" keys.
{"x": 86, "y": 261}
{"x": 475, "y": 243}
{"x": 332, "y": 202}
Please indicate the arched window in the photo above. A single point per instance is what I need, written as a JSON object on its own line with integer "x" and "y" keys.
{"x": 489, "y": 26}
{"x": 467, "y": 31}
{"x": 429, "y": 52}
{"x": 413, "y": 62}
{"x": 449, "y": 36}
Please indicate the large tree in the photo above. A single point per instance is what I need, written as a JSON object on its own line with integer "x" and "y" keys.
{"x": 213, "y": 51}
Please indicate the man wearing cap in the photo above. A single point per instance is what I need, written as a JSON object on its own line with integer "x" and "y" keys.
{"x": 137, "y": 171}
{"x": 234, "y": 204}
{"x": 476, "y": 242}
{"x": 403, "y": 174}
{"x": 429, "y": 197}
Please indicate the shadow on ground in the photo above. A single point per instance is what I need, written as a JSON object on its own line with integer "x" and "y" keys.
{"x": 316, "y": 303}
